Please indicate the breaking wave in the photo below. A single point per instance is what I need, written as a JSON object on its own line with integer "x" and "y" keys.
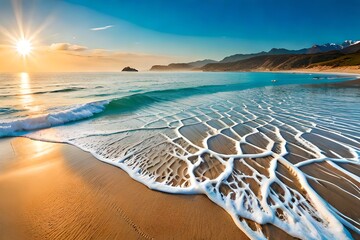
{"x": 79, "y": 112}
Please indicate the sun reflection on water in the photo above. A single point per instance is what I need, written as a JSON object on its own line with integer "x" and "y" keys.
{"x": 26, "y": 96}
{"x": 25, "y": 90}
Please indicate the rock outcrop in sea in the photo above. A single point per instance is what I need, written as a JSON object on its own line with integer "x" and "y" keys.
{"x": 129, "y": 69}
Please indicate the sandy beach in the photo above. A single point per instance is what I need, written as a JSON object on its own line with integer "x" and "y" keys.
{"x": 324, "y": 69}
{"x": 56, "y": 191}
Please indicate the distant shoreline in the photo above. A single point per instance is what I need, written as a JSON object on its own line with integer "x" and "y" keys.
{"x": 339, "y": 71}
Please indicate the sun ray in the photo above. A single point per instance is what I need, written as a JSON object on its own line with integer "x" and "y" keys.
{"x": 23, "y": 38}
{"x": 19, "y": 18}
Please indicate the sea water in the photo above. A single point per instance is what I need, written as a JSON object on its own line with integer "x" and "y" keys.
{"x": 239, "y": 138}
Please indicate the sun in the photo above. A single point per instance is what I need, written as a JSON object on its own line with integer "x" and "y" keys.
{"x": 23, "y": 47}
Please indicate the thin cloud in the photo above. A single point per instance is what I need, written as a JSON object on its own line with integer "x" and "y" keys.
{"x": 67, "y": 47}
{"x": 101, "y": 28}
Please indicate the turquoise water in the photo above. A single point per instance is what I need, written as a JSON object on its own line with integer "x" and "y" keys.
{"x": 30, "y": 95}
{"x": 241, "y": 139}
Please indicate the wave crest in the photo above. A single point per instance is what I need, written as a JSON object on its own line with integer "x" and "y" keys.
{"x": 79, "y": 112}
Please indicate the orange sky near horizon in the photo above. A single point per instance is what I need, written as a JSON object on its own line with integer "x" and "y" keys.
{"x": 74, "y": 59}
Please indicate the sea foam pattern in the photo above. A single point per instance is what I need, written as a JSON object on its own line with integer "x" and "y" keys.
{"x": 251, "y": 152}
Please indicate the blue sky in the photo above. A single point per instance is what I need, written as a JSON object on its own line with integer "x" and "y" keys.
{"x": 189, "y": 29}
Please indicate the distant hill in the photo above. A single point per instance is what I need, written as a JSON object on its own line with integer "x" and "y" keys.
{"x": 271, "y": 59}
{"x": 273, "y": 51}
{"x": 352, "y": 48}
{"x": 182, "y": 66}
{"x": 172, "y": 67}
{"x": 201, "y": 63}
{"x": 240, "y": 56}
{"x": 288, "y": 62}
{"x": 280, "y": 51}
{"x": 330, "y": 47}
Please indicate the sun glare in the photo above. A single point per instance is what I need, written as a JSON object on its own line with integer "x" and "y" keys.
{"x": 23, "y": 47}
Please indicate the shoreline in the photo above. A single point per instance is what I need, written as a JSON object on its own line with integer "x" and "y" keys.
{"x": 346, "y": 72}
{"x": 56, "y": 190}
{"x": 337, "y": 71}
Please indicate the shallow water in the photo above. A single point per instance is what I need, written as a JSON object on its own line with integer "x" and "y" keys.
{"x": 239, "y": 138}
{"x": 23, "y": 95}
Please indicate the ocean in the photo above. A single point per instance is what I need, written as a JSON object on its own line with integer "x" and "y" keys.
{"x": 242, "y": 139}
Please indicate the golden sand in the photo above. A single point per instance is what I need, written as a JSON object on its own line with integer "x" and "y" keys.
{"x": 56, "y": 191}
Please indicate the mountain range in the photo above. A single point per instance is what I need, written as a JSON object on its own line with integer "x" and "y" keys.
{"x": 288, "y": 62}
{"x": 276, "y": 58}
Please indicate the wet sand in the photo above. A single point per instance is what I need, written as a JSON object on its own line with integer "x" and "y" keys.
{"x": 56, "y": 191}
{"x": 336, "y": 188}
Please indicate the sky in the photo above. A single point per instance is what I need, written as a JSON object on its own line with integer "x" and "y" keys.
{"x": 95, "y": 35}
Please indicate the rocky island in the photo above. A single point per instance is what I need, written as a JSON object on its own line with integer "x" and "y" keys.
{"x": 129, "y": 69}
